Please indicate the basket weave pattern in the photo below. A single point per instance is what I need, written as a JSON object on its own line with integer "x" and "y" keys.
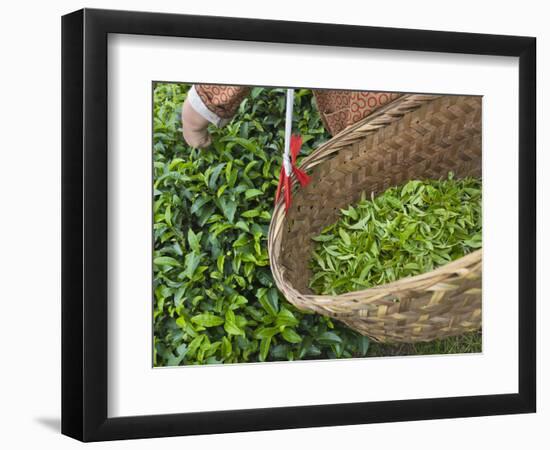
{"x": 414, "y": 137}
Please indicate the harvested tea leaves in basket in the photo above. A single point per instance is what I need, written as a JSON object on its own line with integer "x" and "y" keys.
{"x": 405, "y": 231}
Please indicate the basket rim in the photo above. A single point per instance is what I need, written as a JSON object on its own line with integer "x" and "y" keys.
{"x": 421, "y": 281}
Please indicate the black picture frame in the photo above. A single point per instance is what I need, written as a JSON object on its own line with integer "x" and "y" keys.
{"x": 84, "y": 224}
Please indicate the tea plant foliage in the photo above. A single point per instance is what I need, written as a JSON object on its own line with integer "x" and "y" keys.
{"x": 405, "y": 231}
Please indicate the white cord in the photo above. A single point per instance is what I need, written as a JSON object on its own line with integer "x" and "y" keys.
{"x": 288, "y": 131}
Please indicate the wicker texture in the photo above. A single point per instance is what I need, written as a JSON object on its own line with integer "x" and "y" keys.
{"x": 414, "y": 137}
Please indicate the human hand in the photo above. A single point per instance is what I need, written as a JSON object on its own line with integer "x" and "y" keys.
{"x": 194, "y": 127}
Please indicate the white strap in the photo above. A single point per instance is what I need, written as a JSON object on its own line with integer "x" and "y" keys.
{"x": 288, "y": 131}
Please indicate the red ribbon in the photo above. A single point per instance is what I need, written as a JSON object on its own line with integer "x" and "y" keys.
{"x": 284, "y": 178}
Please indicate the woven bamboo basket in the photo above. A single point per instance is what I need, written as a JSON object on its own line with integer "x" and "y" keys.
{"x": 414, "y": 137}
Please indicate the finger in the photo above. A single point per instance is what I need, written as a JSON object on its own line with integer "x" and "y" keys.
{"x": 197, "y": 139}
{"x": 205, "y": 141}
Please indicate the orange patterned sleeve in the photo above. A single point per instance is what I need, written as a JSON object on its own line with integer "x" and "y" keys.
{"x": 339, "y": 109}
{"x": 222, "y": 100}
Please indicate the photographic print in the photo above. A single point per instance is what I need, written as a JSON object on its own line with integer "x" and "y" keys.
{"x": 309, "y": 224}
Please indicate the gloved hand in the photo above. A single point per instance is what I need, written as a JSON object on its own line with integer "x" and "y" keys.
{"x": 194, "y": 126}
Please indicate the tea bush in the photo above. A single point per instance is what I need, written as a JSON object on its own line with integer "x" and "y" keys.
{"x": 214, "y": 296}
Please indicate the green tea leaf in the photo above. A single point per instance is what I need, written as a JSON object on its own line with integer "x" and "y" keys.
{"x": 251, "y": 213}
{"x": 345, "y": 236}
{"x": 264, "y": 348}
{"x": 329, "y": 337}
{"x": 228, "y": 207}
{"x": 251, "y": 193}
{"x": 192, "y": 261}
{"x": 207, "y": 320}
{"x": 230, "y": 324}
{"x": 291, "y": 336}
{"x": 286, "y": 318}
{"x": 215, "y": 174}
{"x": 165, "y": 261}
{"x": 193, "y": 240}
